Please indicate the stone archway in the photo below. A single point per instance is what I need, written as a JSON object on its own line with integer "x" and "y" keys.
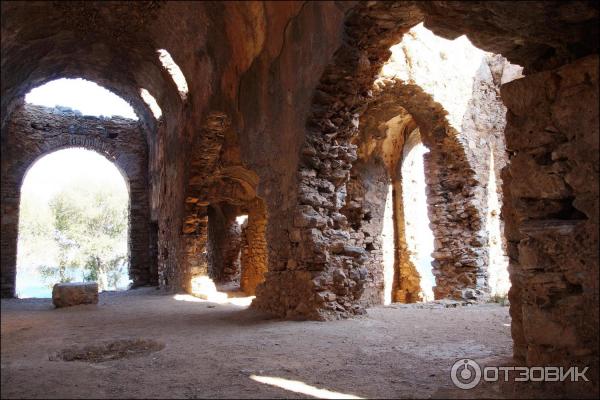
{"x": 460, "y": 253}
{"x": 324, "y": 275}
{"x": 35, "y": 131}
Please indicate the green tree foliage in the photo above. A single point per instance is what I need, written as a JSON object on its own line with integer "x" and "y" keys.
{"x": 87, "y": 225}
{"x": 36, "y": 243}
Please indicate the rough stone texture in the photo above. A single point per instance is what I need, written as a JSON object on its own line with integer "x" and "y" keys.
{"x": 551, "y": 211}
{"x": 326, "y": 158}
{"x": 74, "y": 294}
{"x": 364, "y": 210}
{"x": 381, "y": 143}
{"x": 35, "y": 131}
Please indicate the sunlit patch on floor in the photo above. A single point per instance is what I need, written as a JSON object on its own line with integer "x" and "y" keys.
{"x": 301, "y": 387}
{"x": 205, "y": 291}
{"x": 236, "y": 301}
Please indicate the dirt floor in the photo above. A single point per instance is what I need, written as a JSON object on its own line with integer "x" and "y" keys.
{"x": 183, "y": 347}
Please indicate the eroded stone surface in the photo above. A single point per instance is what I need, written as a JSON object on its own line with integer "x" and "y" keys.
{"x": 74, "y": 294}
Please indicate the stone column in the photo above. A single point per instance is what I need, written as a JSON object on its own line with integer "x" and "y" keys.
{"x": 254, "y": 248}
{"x": 139, "y": 234}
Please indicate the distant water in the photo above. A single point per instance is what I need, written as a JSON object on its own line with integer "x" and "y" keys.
{"x": 31, "y": 285}
{"x": 42, "y": 292}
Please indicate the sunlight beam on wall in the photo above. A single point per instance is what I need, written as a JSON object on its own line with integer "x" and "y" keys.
{"x": 175, "y": 72}
{"x": 152, "y": 103}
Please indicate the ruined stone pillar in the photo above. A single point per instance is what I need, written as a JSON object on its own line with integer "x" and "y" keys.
{"x": 406, "y": 286}
{"x": 551, "y": 210}
{"x": 460, "y": 252}
{"x": 254, "y": 248}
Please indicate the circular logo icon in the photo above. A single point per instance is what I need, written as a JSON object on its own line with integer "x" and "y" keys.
{"x": 465, "y": 373}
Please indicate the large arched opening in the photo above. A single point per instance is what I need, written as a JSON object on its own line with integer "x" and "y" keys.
{"x": 417, "y": 230}
{"x": 60, "y": 116}
{"x": 73, "y": 224}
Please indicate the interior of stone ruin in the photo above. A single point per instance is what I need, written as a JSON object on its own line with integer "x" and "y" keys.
{"x": 326, "y": 199}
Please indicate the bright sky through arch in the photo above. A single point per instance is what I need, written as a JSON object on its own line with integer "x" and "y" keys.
{"x": 53, "y": 172}
{"x": 84, "y": 96}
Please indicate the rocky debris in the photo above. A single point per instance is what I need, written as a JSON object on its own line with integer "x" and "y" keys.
{"x": 444, "y": 303}
{"x": 74, "y": 294}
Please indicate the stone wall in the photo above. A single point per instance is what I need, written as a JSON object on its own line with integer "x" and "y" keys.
{"x": 415, "y": 278}
{"x": 465, "y": 82}
{"x": 551, "y": 213}
{"x": 380, "y": 151}
{"x": 35, "y": 131}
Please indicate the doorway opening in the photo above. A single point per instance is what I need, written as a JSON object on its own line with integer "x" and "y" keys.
{"x": 73, "y": 224}
{"x": 418, "y": 234}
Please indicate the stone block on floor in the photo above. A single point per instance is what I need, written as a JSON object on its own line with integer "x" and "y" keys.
{"x": 74, "y": 293}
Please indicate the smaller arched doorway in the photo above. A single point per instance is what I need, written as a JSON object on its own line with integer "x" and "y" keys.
{"x": 417, "y": 232}
{"x": 407, "y": 239}
{"x": 73, "y": 223}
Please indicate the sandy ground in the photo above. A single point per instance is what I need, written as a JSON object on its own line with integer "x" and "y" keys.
{"x": 228, "y": 351}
